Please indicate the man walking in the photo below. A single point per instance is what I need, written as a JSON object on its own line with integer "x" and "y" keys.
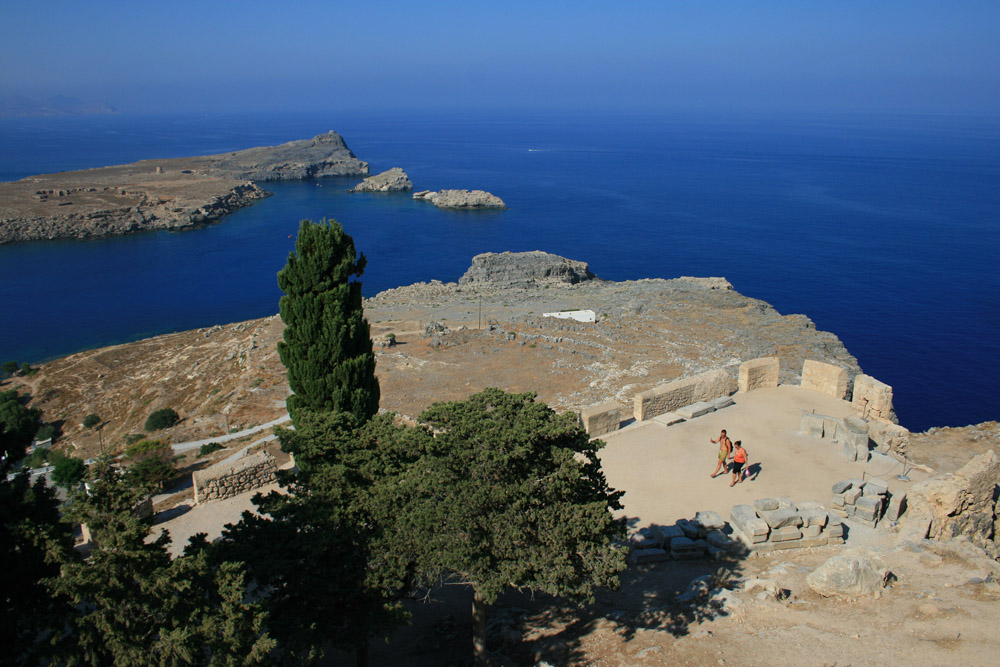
{"x": 725, "y": 449}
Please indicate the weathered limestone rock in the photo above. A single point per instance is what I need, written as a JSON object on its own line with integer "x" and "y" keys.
{"x": 644, "y": 556}
{"x": 465, "y": 199}
{"x": 855, "y": 574}
{"x": 812, "y": 424}
{"x": 780, "y": 518}
{"x": 391, "y": 180}
{"x": 510, "y": 268}
{"x": 671, "y": 396}
{"x": 709, "y": 521}
{"x": 872, "y": 399}
{"x": 600, "y": 419}
{"x": 853, "y": 433}
{"x": 963, "y": 503}
{"x": 759, "y": 373}
{"x": 826, "y": 378}
{"x": 695, "y": 410}
{"x": 891, "y": 436}
{"x": 745, "y": 519}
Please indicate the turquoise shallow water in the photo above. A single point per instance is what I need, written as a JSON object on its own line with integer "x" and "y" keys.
{"x": 882, "y": 230}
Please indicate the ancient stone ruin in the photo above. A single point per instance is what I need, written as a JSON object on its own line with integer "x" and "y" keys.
{"x": 233, "y": 476}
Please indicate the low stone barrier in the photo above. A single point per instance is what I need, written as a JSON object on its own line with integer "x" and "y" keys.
{"x": 772, "y": 524}
{"x": 600, "y": 419}
{"x": 824, "y": 378}
{"x": 866, "y": 502}
{"x": 872, "y": 399}
{"x": 759, "y": 373}
{"x": 701, "y": 537}
{"x": 671, "y": 396}
{"x": 233, "y": 477}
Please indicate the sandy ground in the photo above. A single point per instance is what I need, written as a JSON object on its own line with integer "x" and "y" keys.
{"x": 665, "y": 470}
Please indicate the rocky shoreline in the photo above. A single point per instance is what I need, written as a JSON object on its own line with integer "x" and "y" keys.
{"x": 161, "y": 194}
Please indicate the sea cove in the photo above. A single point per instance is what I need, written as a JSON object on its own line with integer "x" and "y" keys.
{"x": 880, "y": 229}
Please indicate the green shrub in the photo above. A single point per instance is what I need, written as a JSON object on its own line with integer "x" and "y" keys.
{"x": 161, "y": 419}
{"x": 208, "y": 448}
{"x": 46, "y": 431}
{"x": 36, "y": 459}
{"x": 139, "y": 449}
{"x": 91, "y": 420}
{"x": 68, "y": 472}
{"x": 132, "y": 438}
{"x": 152, "y": 471}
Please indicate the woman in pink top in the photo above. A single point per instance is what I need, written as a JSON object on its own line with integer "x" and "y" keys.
{"x": 739, "y": 460}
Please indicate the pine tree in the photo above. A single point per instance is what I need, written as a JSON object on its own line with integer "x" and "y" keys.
{"x": 327, "y": 345}
{"x": 514, "y": 496}
{"x": 328, "y": 552}
{"x": 134, "y": 605}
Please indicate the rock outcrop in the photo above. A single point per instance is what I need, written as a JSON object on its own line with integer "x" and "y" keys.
{"x": 855, "y": 573}
{"x": 960, "y": 504}
{"x": 161, "y": 194}
{"x": 464, "y": 199}
{"x": 391, "y": 180}
{"x": 513, "y": 268}
{"x": 323, "y": 155}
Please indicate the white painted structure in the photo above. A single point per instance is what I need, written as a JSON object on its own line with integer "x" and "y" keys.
{"x": 578, "y": 315}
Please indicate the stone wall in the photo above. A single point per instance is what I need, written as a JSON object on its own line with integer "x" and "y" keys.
{"x": 825, "y": 378}
{"x": 679, "y": 393}
{"x": 773, "y": 524}
{"x": 872, "y": 399}
{"x": 963, "y": 503}
{"x": 850, "y": 432}
{"x": 600, "y": 419}
{"x": 759, "y": 373}
{"x": 234, "y": 476}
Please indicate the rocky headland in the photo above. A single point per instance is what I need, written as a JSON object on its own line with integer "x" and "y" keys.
{"x": 390, "y": 180}
{"x": 161, "y": 194}
{"x": 461, "y": 199}
{"x": 452, "y": 339}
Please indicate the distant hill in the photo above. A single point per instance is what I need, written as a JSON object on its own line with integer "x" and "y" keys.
{"x": 17, "y": 106}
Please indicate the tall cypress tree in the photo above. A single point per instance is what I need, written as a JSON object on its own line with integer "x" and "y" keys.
{"x": 327, "y": 347}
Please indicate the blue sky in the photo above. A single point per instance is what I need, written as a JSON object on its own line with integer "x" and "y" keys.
{"x": 889, "y": 55}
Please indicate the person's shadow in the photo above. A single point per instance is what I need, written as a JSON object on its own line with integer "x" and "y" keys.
{"x": 754, "y": 470}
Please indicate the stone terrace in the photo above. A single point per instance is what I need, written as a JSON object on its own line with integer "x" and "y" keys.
{"x": 665, "y": 470}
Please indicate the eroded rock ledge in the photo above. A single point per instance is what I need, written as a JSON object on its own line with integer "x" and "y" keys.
{"x": 161, "y": 194}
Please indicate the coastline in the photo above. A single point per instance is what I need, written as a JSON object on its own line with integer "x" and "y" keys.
{"x": 172, "y": 194}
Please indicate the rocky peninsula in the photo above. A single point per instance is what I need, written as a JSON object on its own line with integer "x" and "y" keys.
{"x": 154, "y": 194}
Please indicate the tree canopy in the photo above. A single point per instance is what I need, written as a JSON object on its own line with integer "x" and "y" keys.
{"x": 327, "y": 345}
{"x": 519, "y": 501}
{"x": 134, "y": 605}
{"x": 163, "y": 418}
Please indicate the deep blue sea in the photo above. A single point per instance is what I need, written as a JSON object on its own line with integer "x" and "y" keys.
{"x": 882, "y": 229}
